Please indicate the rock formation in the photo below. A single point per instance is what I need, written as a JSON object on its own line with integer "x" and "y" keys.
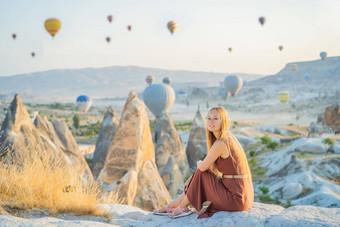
{"x": 23, "y": 140}
{"x": 129, "y": 168}
{"x": 107, "y": 132}
{"x": 332, "y": 117}
{"x": 171, "y": 158}
{"x": 197, "y": 145}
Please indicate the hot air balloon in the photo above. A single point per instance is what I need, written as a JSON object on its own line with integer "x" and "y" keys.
{"x": 280, "y": 48}
{"x": 110, "y": 18}
{"x": 14, "y": 35}
{"x": 307, "y": 76}
{"x": 262, "y": 20}
{"x": 33, "y": 54}
{"x": 323, "y": 55}
{"x": 52, "y": 25}
{"x": 230, "y": 49}
{"x": 129, "y": 27}
{"x": 108, "y": 39}
{"x": 283, "y": 96}
{"x": 149, "y": 79}
{"x": 172, "y": 26}
{"x": 84, "y": 103}
{"x": 167, "y": 80}
{"x": 233, "y": 84}
{"x": 293, "y": 67}
{"x": 159, "y": 98}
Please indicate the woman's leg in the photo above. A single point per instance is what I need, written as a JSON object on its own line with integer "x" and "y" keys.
{"x": 173, "y": 204}
{"x": 183, "y": 204}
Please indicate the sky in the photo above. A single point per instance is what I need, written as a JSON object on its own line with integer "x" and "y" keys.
{"x": 206, "y": 29}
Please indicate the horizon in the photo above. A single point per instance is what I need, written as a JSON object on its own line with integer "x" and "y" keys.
{"x": 205, "y": 32}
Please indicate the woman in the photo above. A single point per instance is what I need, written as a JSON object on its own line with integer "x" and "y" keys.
{"x": 222, "y": 180}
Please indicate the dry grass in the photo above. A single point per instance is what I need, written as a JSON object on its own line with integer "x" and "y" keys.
{"x": 45, "y": 184}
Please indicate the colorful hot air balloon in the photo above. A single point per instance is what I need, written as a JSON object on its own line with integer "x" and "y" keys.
{"x": 280, "y": 48}
{"x": 129, "y": 27}
{"x": 172, "y": 26}
{"x": 167, "y": 80}
{"x": 159, "y": 98}
{"x": 52, "y": 25}
{"x": 108, "y": 39}
{"x": 323, "y": 55}
{"x": 230, "y": 49}
{"x": 14, "y": 35}
{"x": 33, "y": 54}
{"x": 293, "y": 67}
{"x": 84, "y": 103}
{"x": 149, "y": 79}
{"x": 262, "y": 20}
{"x": 283, "y": 96}
{"x": 233, "y": 84}
{"x": 110, "y": 18}
{"x": 307, "y": 76}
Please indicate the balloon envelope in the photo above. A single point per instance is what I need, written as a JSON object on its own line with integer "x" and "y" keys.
{"x": 167, "y": 80}
{"x": 52, "y": 25}
{"x": 14, "y": 36}
{"x": 307, "y": 76}
{"x": 283, "y": 96}
{"x": 323, "y": 55}
{"x": 280, "y": 48}
{"x": 33, "y": 54}
{"x": 172, "y": 26}
{"x": 159, "y": 98}
{"x": 149, "y": 79}
{"x": 293, "y": 67}
{"x": 110, "y": 18}
{"x": 108, "y": 39}
{"x": 129, "y": 27}
{"x": 262, "y": 20}
{"x": 230, "y": 49}
{"x": 84, "y": 103}
{"x": 233, "y": 84}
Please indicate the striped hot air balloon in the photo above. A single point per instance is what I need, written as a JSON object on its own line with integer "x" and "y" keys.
{"x": 283, "y": 96}
{"x": 172, "y": 26}
{"x": 149, "y": 79}
{"x": 167, "y": 80}
{"x": 52, "y": 25}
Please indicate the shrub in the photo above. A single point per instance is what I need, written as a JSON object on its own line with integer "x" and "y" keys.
{"x": 264, "y": 190}
{"x": 272, "y": 145}
{"x": 76, "y": 121}
{"x": 252, "y": 153}
{"x": 328, "y": 141}
{"x": 265, "y": 139}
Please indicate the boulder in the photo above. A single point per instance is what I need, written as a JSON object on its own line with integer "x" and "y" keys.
{"x": 291, "y": 190}
{"x": 197, "y": 145}
{"x": 106, "y": 134}
{"x": 129, "y": 169}
{"x": 332, "y": 116}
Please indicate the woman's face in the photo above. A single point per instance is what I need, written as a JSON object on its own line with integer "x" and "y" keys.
{"x": 213, "y": 121}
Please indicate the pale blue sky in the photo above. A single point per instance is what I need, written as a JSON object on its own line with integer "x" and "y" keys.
{"x": 206, "y": 30}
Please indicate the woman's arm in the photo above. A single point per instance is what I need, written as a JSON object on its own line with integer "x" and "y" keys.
{"x": 215, "y": 151}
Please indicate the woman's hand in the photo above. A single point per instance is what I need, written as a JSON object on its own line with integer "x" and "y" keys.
{"x": 199, "y": 162}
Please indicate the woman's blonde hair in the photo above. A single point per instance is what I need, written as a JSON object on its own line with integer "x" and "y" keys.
{"x": 229, "y": 140}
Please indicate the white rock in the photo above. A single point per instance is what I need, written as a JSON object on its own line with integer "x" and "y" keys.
{"x": 291, "y": 190}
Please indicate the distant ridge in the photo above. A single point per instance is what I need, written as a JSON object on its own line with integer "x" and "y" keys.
{"x": 327, "y": 70}
{"x": 114, "y": 81}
